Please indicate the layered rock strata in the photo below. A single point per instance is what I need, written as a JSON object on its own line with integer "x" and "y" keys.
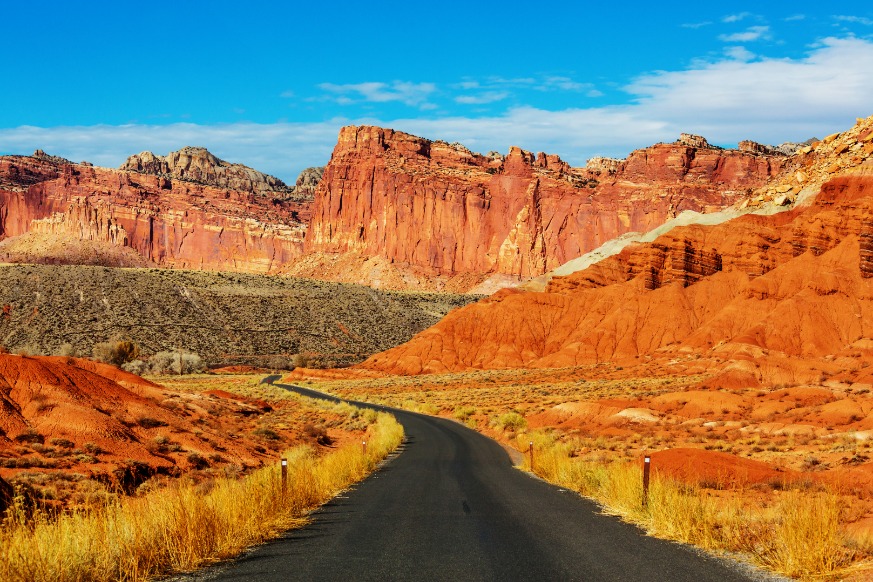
{"x": 796, "y": 282}
{"x": 439, "y": 207}
{"x": 169, "y": 222}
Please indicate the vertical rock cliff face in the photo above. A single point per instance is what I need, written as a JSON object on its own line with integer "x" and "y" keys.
{"x": 444, "y": 209}
{"x": 168, "y": 222}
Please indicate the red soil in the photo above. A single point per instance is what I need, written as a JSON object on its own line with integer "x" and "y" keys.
{"x": 713, "y": 468}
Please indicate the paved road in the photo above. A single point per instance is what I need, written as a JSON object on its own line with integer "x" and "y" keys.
{"x": 452, "y": 507}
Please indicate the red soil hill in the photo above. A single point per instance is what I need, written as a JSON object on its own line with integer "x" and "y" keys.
{"x": 797, "y": 282}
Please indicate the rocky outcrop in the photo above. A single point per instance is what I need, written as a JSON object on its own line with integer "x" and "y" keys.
{"x": 198, "y": 165}
{"x": 308, "y": 181}
{"x": 439, "y": 207}
{"x": 169, "y": 222}
{"x": 694, "y": 141}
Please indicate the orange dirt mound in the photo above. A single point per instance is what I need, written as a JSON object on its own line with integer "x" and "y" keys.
{"x": 63, "y": 413}
{"x": 714, "y": 468}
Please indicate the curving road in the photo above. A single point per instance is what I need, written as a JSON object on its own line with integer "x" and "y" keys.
{"x": 452, "y": 507}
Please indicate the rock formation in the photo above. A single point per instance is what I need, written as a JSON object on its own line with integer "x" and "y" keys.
{"x": 440, "y": 208}
{"x": 798, "y": 282}
{"x": 169, "y": 222}
{"x": 196, "y": 164}
{"x": 308, "y": 181}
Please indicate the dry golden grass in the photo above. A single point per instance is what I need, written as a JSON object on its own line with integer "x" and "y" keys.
{"x": 185, "y": 525}
{"x": 798, "y": 534}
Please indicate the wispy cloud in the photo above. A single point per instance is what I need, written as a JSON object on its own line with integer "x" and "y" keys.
{"x": 696, "y": 25}
{"x": 766, "y": 99}
{"x": 750, "y": 34}
{"x": 562, "y": 84}
{"x": 855, "y": 20}
{"x": 795, "y": 18}
{"x": 408, "y": 93}
{"x": 739, "y": 53}
{"x": 736, "y": 17}
{"x": 482, "y": 98}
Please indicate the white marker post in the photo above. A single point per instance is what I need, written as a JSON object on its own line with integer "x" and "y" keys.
{"x": 647, "y": 464}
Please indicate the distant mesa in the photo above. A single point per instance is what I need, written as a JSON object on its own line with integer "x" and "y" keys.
{"x": 693, "y": 141}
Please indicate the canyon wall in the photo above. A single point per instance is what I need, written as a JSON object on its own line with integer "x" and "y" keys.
{"x": 170, "y": 223}
{"x": 797, "y": 283}
{"x": 440, "y": 208}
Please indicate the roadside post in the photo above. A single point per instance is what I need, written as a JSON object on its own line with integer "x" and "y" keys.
{"x": 364, "y": 447}
{"x": 284, "y": 474}
{"x": 647, "y": 465}
{"x": 530, "y": 449}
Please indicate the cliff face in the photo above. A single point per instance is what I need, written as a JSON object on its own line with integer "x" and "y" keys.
{"x": 446, "y": 210}
{"x": 798, "y": 282}
{"x": 169, "y": 222}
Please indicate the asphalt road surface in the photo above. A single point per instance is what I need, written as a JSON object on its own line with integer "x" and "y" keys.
{"x": 451, "y": 506}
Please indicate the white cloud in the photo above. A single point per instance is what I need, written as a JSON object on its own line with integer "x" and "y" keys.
{"x": 855, "y": 20}
{"x": 563, "y": 84}
{"x": 281, "y": 149}
{"x": 767, "y": 100}
{"x": 482, "y": 98}
{"x": 736, "y": 17}
{"x": 750, "y": 34}
{"x": 739, "y": 53}
{"x": 696, "y": 25}
{"x": 795, "y": 18}
{"x": 412, "y": 94}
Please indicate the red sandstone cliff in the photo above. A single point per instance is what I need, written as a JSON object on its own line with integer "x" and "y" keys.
{"x": 168, "y": 222}
{"x": 799, "y": 282}
{"x": 443, "y": 210}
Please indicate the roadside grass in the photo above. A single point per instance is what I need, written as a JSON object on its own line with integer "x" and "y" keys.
{"x": 797, "y": 533}
{"x": 185, "y": 525}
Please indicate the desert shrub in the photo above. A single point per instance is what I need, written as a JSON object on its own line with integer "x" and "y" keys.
{"x": 176, "y": 362}
{"x": 266, "y": 433}
{"x": 149, "y": 422}
{"x": 511, "y": 421}
{"x": 63, "y": 443}
{"x": 138, "y": 367}
{"x": 93, "y": 449}
{"x": 462, "y": 413}
{"x": 67, "y": 350}
{"x": 301, "y": 360}
{"x": 280, "y": 362}
{"x": 318, "y": 434}
{"x": 197, "y": 461}
{"x": 28, "y": 350}
{"x": 30, "y": 436}
{"x": 116, "y": 353}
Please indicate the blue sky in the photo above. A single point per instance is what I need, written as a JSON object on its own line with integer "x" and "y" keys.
{"x": 270, "y": 86}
